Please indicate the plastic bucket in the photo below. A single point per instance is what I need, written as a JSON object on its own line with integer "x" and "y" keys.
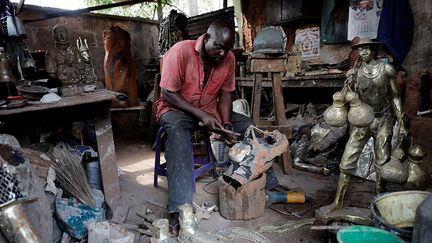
{"x": 361, "y": 234}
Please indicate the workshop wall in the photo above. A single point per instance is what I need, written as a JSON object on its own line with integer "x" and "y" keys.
{"x": 420, "y": 56}
{"x": 144, "y": 36}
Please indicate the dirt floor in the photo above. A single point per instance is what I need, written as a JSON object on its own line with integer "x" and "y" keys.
{"x": 136, "y": 161}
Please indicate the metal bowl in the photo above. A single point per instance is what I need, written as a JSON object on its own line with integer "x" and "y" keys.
{"x": 32, "y": 92}
{"x": 396, "y": 211}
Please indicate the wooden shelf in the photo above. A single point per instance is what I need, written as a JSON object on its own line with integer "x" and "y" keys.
{"x": 318, "y": 81}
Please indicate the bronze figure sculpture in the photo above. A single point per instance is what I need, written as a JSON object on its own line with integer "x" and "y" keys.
{"x": 373, "y": 81}
{"x": 63, "y": 61}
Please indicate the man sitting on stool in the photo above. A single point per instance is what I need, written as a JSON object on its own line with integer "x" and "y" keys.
{"x": 197, "y": 79}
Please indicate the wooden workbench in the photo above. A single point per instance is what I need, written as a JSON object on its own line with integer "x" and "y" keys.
{"x": 90, "y": 106}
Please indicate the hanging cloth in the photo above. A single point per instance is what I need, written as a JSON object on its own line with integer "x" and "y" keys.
{"x": 396, "y": 29}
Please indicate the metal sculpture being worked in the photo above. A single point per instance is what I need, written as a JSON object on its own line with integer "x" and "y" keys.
{"x": 254, "y": 154}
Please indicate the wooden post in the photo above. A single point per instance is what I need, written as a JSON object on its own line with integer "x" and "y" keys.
{"x": 107, "y": 158}
{"x": 256, "y": 98}
{"x": 153, "y": 122}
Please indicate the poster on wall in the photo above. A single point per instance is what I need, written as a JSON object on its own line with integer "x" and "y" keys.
{"x": 363, "y": 18}
{"x": 308, "y": 40}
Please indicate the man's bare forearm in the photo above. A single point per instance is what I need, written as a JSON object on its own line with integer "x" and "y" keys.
{"x": 225, "y": 106}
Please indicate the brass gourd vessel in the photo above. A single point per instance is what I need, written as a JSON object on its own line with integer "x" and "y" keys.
{"x": 394, "y": 171}
{"x": 360, "y": 114}
{"x": 418, "y": 179}
{"x": 336, "y": 114}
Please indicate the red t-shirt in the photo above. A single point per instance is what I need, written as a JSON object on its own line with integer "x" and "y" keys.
{"x": 183, "y": 71}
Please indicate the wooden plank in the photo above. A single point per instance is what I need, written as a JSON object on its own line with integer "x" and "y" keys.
{"x": 120, "y": 212}
{"x": 256, "y": 97}
{"x": 273, "y": 11}
{"x": 278, "y": 100}
{"x": 297, "y": 82}
{"x": 268, "y": 65}
{"x": 156, "y": 95}
{"x": 132, "y": 108}
{"x": 265, "y": 123}
{"x": 87, "y": 98}
{"x": 107, "y": 158}
{"x": 292, "y": 78}
{"x": 285, "y": 161}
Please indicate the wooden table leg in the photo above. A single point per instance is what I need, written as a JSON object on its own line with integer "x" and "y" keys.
{"x": 256, "y": 98}
{"x": 280, "y": 118}
{"x": 285, "y": 160}
{"x": 153, "y": 122}
{"x": 279, "y": 104}
{"x": 107, "y": 158}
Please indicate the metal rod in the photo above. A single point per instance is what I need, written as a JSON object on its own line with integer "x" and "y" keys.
{"x": 421, "y": 113}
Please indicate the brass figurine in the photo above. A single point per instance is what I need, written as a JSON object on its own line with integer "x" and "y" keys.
{"x": 418, "y": 179}
{"x": 63, "y": 61}
{"x": 88, "y": 75}
{"x": 374, "y": 82}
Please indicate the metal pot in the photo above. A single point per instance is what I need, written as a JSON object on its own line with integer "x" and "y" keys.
{"x": 32, "y": 92}
{"x": 395, "y": 212}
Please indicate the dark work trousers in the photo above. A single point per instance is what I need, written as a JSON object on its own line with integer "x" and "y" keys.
{"x": 179, "y": 128}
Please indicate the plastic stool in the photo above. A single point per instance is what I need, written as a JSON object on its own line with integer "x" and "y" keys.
{"x": 206, "y": 164}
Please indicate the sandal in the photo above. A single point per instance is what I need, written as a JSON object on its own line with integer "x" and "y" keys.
{"x": 174, "y": 224}
{"x": 174, "y": 230}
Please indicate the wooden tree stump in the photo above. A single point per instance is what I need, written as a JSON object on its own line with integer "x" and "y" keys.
{"x": 247, "y": 202}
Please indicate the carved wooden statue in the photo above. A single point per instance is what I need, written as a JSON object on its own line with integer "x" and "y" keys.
{"x": 119, "y": 67}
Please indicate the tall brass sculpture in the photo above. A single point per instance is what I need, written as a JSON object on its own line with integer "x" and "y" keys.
{"x": 374, "y": 82}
